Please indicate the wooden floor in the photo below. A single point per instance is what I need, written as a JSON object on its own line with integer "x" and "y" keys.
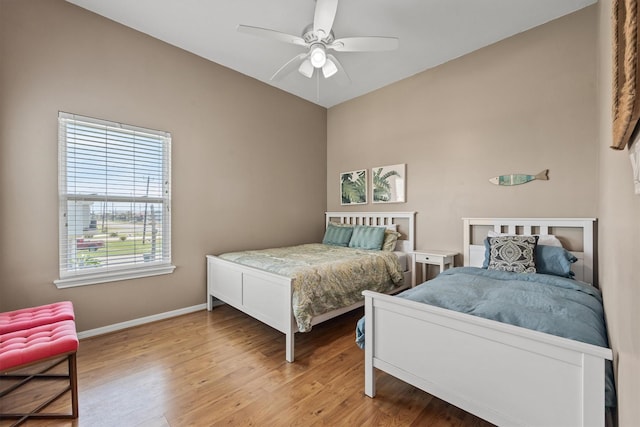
{"x": 225, "y": 368}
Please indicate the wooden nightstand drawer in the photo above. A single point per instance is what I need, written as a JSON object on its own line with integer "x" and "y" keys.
{"x": 429, "y": 258}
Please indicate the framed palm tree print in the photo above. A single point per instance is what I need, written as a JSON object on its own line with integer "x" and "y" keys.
{"x": 388, "y": 183}
{"x": 353, "y": 187}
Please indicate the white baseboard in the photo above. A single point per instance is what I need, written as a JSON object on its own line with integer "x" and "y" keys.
{"x": 140, "y": 321}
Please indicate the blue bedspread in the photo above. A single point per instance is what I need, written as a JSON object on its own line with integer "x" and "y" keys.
{"x": 559, "y": 306}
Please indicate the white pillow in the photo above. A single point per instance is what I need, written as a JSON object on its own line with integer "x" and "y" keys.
{"x": 392, "y": 227}
{"x": 543, "y": 239}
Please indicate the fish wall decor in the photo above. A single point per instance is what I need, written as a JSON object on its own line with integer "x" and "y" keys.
{"x": 517, "y": 179}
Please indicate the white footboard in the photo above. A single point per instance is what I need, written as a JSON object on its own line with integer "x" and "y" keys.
{"x": 499, "y": 372}
{"x": 262, "y": 295}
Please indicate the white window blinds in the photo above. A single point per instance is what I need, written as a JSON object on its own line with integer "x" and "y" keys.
{"x": 115, "y": 201}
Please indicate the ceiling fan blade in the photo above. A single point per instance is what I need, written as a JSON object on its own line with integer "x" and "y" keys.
{"x": 341, "y": 77}
{"x": 329, "y": 68}
{"x": 364, "y": 44}
{"x": 306, "y": 68}
{"x": 323, "y": 18}
{"x": 272, "y": 34}
{"x": 287, "y": 68}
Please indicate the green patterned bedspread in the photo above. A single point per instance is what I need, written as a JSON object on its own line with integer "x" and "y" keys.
{"x": 325, "y": 277}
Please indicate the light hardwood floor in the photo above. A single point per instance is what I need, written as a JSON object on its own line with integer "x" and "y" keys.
{"x": 225, "y": 368}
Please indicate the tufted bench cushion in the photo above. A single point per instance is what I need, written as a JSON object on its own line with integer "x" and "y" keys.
{"x": 41, "y": 342}
{"x": 31, "y": 317}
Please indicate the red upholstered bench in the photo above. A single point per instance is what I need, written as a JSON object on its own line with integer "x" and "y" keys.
{"x": 35, "y": 316}
{"x": 52, "y": 344}
{"x": 19, "y": 348}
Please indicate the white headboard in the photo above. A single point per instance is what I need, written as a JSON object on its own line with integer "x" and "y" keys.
{"x": 403, "y": 219}
{"x": 584, "y": 268}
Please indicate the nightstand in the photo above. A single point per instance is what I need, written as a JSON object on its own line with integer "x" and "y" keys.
{"x": 443, "y": 259}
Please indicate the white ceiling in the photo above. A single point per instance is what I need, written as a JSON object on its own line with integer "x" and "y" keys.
{"x": 431, "y": 32}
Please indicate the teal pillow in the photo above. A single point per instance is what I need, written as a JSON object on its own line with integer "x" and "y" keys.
{"x": 367, "y": 237}
{"x": 554, "y": 260}
{"x": 337, "y": 235}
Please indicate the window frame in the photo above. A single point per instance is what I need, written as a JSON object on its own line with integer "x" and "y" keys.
{"x": 80, "y": 277}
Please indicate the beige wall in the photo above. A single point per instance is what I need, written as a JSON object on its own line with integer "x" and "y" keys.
{"x": 241, "y": 150}
{"x": 619, "y": 233}
{"x": 520, "y": 106}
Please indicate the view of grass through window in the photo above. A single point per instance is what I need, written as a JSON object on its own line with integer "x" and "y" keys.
{"x": 116, "y": 233}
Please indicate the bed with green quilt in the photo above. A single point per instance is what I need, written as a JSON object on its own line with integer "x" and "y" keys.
{"x": 293, "y": 288}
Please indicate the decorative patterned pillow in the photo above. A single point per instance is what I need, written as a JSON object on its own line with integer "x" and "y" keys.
{"x": 513, "y": 253}
{"x": 390, "y": 239}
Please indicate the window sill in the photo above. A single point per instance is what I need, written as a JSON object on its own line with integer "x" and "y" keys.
{"x": 113, "y": 276}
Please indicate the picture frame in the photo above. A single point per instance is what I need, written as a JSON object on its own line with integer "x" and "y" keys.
{"x": 353, "y": 187}
{"x": 626, "y": 72}
{"x": 388, "y": 184}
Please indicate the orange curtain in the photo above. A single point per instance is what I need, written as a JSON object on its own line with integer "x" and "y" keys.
{"x": 626, "y": 72}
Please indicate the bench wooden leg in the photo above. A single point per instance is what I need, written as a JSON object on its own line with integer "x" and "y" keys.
{"x": 72, "y": 376}
{"x": 73, "y": 382}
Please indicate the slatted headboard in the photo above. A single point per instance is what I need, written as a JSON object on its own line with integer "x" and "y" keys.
{"x": 404, "y": 220}
{"x": 583, "y": 268}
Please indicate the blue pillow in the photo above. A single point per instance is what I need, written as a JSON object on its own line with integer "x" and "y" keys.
{"x": 337, "y": 235}
{"x": 367, "y": 237}
{"x": 487, "y": 253}
{"x": 554, "y": 260}
{"x": 549, "y": 260}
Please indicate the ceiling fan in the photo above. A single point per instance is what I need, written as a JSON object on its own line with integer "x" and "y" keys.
{"x": 319, "y": 40}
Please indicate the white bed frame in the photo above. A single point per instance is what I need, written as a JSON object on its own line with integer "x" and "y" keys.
{"x": 502, "y": 373}
{"x": 267, "y": 296}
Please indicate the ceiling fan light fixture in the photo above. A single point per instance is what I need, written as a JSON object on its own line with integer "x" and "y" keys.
{"x": 329, "y": 69}
{"x": 306, "y": 69}
{"x": 318, "y": 56}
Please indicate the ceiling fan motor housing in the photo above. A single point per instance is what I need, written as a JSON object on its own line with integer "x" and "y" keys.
{"x": 310, "y": 36}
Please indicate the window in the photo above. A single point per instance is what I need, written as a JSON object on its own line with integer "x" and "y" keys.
{"x": 115, "y": 201}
